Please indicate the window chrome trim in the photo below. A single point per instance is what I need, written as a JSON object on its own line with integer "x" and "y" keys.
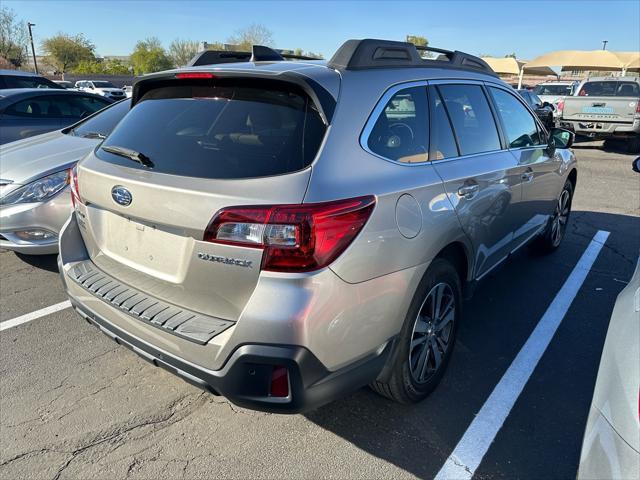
{"x": 377, "y": 111}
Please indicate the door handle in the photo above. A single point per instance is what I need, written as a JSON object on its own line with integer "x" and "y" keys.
{"x": 468, "y": 191}
{"x": 528, "y": 175}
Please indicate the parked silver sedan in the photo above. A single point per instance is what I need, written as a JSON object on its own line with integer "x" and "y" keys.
{"x": 34, "y": 179}
{"x": 611, "y": 445}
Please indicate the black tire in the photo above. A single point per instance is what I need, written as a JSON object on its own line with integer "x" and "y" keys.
{"x": 551, "y": 238}
{"x": 633, "y": 144}
{"x": 400, "y": 382}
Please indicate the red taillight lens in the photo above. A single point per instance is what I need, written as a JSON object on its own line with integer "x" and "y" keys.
{"x": 561, "y": 105}
{"x": 75, "y": 191}
{"x": 295, "y": 238}
{"x": 638, "y": 107}
{"x": 279, "y": 382}
{"x": 187, "y": 75}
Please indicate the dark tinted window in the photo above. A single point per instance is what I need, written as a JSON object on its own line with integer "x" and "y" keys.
{"x": 471, "y": 117}
{"x": 401, "y": 130}
{"x": 519, "y": 125}
{"x": 16, "y": 81}
{"x": 609, "y": 88}
{"x": 103, "y": 84}
{"x": 535, "y": 99}
{"x": 442, "y": 141}
{"x": 553, "y": 89}
{"x": 73, "y": 106}
{"x": 228, "y": 130}
{"x": 103, "y": 122}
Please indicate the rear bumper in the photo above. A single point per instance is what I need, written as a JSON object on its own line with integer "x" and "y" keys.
{"x": 245, "y": 376}
{"x": 600, "y": 129}
{"x": 238, "y": 362}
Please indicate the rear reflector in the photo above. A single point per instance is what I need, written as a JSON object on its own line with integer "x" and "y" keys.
{"x": 186, "y": 75}
{"x": 295, "y": 238}
{"x": 279, "y": 382}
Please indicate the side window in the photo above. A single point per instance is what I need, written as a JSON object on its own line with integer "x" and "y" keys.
{"x": 401, "y": 131}
{"x": 443, "y": 143}
{"x": 519, "y": 125}
{"x": 536, "y": 99}
{"x": 34, "y": 108}
{"x": 471, "y": 117}
{"x": 84, "y": 106}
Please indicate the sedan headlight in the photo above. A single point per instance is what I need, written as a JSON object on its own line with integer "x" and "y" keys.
{"x": 38, "y": 190}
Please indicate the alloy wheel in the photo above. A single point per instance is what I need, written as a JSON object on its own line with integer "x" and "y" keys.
{"x": 560, "y": 217}
{"x": 432, "y": 333}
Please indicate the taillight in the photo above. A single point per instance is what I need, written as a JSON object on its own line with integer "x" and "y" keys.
{"x": 638, "y": 107}
{"x": 560, "y": 105}
{"x": 188, "y": 75}
{"x": 75, "y": 191}
{"x": 295, "y": 238}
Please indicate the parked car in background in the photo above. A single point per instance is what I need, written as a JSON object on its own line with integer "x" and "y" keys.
{"x": 27, "y": 112}
{"x": 544, "y": 110}
{"x": 611, "y": 445}
{"x": 34, "y": 179}
{"x": 19, "y": 79}
{"x": 101, "y": 87}
{"x": 605, "y": 108}
{"x": 65, "y": 84}
{"x": 128, "y": 90}
{"x": 553, "y": 92}
{"x": 193, "y": 216}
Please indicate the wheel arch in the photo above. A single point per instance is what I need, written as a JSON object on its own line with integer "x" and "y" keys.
{"x": 573, "y": 177}
{"x": 459, "y": 254}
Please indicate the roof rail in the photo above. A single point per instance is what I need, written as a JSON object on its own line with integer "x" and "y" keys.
{"x": 259, "y": 53}
{"x": 372, "y": 53}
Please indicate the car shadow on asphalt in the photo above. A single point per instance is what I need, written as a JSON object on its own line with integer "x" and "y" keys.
{"x": 496, "y": 323}
{"x": 45, "y": 262}
{"x": 610, "y": 146}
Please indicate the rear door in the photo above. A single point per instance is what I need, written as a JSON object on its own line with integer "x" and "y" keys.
{"x": 482, "y": 180}
{"x": 211, "y": 144}
{"x": 541, "y": 178}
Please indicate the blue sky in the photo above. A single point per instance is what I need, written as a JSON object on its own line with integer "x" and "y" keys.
{"x": 487, "y": 27}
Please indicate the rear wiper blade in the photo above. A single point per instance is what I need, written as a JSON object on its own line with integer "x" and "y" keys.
{"x": 130, "y": 154}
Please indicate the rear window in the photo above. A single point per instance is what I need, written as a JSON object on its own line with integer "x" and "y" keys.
{"x": 233, "y": 129}
{"x": 609, "y": 89}
{"x": 552, "y": 89}
{"x": 16, "y": 81}
{"x": 104, "y": 121}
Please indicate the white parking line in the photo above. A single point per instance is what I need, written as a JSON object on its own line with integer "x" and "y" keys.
{"x": 465, "y": 458}
{"x": 14, "y": 322}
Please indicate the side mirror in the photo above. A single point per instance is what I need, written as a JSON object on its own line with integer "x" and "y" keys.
{"x": 561, "y": 138}
{"x": 636, "y": 165}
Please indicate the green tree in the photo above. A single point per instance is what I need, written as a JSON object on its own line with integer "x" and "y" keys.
{"x": 254, "y": 34}
{"x": 65, "y": 51}
{"x": 181, "y": 51}
{"x": 419, "y": 41}
{"x": 13, "y": 38}
{"x": 301, "y": 52}
{"x": 89, "y": 66}
{"x": 149, "y": 56}
{"x": 116, "y": 67}
{"x": 510, "y": 55}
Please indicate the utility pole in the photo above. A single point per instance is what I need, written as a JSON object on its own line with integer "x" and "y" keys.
{"x": 33, "y": 50}
{"x": 604, "y": 44}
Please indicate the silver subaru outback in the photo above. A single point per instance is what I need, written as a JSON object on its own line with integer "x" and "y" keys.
{"x": 282, "y": 233}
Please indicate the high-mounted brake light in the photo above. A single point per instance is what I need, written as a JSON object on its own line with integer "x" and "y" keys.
{"x": 295, "y": 238}
{"x": 75, "y": 190}
{"x": 186, "y": 75}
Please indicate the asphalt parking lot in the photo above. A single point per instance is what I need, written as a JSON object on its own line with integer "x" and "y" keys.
{"x": 73, "y": 404}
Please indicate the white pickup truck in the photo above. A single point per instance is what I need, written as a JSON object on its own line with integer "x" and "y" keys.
{"x": 605, "y": 108}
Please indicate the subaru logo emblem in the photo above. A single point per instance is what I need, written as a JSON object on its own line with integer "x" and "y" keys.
{"x": 121, "y": 195}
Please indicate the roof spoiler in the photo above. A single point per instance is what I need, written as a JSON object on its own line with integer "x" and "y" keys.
{"x": 259, "y": 53}
{"x": 371, "y": 53}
